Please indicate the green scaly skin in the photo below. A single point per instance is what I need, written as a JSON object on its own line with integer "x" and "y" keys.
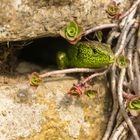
{"x": 86, "y": 55}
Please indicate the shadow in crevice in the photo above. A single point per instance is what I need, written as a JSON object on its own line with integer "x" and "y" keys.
{"x": 43, "y": 51}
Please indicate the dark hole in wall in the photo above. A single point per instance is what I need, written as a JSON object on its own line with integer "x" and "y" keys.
{"x": 43, "y": 51}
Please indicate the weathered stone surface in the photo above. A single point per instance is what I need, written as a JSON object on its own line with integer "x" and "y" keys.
{"x": 49, "y": 113}
{"x": 26, "y": 19}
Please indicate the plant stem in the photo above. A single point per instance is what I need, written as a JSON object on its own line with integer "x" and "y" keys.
{"x": 122, "y": 108}
{"x": 100, "y": 27}
{"x": 130, "y": 10}
{"x": 72, "y": 70}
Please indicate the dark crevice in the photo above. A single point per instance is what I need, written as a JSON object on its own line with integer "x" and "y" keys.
{"x": 40, "y": 51}
{"x": 43, "y": 51}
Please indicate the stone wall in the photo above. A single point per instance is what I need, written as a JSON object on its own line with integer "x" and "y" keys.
{"x": 26, "y": 19}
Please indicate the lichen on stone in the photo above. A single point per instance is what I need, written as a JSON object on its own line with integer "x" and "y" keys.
{"x": 71, "y": 112}
{"x": 18, "y": 120}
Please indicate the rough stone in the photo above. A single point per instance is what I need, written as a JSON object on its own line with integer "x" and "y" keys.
{"x": 48, "y": 112}
{"x": 27, "y": 19}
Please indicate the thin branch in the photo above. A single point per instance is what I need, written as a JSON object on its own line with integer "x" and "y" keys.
{"x": 137, "y": 72}
{"x": 122, "y": 41}
{"x": 94, "y": 75}
{"x": 123, "y": 135}
{"x": 129, "y": 56}
{"x": 119, "y": 119}
{"x": 136, "y": 66}
{"x": 122, "y": 108}
{"x": 130, "y": 72}
{"x": 131, "y": 33}
{"x": 138, "y": 45}
{"x": 72, "y": 70}
{"x": 122, "y": 127}
{"x": 122, "y": 44}
{"x": 130, "y": 10}
{"x": 100, "y": 27}
{"x": 124, "y": 24}
{"x": 115, "y": 105}
{"x": 121, "y": 36}
{"x": 112, "y": 35}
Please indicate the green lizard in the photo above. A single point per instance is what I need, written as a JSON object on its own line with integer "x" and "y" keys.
{"x": 86, "y": 55}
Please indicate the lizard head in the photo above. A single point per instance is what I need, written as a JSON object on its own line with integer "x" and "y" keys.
{"x": 86, "y": 54}
{"x": 103, "y": 53}
{"x": 94, "y": 54}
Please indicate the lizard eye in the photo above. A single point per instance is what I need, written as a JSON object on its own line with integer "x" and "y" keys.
{"x": 94, "y": 51}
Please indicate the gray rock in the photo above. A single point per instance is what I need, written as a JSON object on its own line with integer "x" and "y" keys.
{"x": 29, "y": 19}
{"x": 48, "y": 112}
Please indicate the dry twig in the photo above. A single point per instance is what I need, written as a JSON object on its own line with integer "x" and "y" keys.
{"x": 123, "y": 126}
{"x": 137, "y": 73}
{"x": 115, "y": 105}
{"x": 123, "y": 39}
{"x": 94, "y": 75}
{"x": 100, "y": 27}
{"x": 130, "y": 56}
{"x": 130, "y": 10}
{"x": 72, "y": 70}
{"x": 121, "y": 104}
